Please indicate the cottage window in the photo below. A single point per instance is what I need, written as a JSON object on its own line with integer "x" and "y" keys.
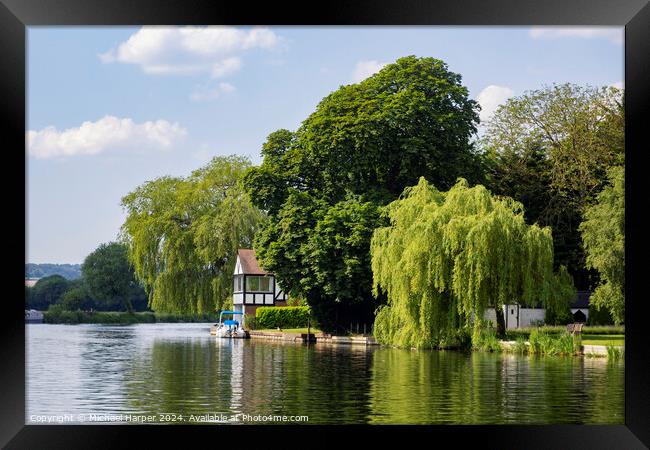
{"x": 258, "y": 284}
{"x": 238, "y": 283}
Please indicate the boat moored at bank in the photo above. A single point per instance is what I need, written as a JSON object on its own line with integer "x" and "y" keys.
{"x": 229, "y": 328}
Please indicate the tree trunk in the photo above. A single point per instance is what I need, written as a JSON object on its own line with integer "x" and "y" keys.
{"x": 501, "y": 322}
{"x": 128, "y": 305}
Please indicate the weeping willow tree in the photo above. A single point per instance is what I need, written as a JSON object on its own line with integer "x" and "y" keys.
{"x": 446, "y": 257}
{"x": 183, "y": 234}
{"x": 603, "y": 236}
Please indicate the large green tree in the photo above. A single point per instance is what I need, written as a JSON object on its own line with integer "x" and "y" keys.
{"x": 361, "y": 147}
{"x": 603, "y": 234}
{"x": 47, "y": 291}
{"x": 183, "y": 235}
{"x": 550, "y": 149}
{"x": 447, "y": 256}
{"x": 76, "y": 299}
{"x": 109, "y": 280}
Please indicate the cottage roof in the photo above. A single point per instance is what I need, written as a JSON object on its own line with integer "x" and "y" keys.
{"x": 249, "y": 264}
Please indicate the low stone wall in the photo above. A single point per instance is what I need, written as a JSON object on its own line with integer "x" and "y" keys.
{"x": 598, "y": 350}
{"x": 319, "y": 338}
{"x": 347, "y": 340}
{"x": 280, "y": 336}
{"x": 592, "y": 350}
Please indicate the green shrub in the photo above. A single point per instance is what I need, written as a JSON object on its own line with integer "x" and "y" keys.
{"x": 282, "y": 316}
{"x": 487, "y": 341}
{"x": 577, "y": 343}
{"x": 250, "y": 322}
{"x": 614, "y": 353}
{"x": 547, "y": 344}
{"x": 520, "y": 346}
{"x": 56, "y": 313}
{"x": 544, "y": 343}
{"x": 565, "y": 344}
{"x": 558, "y": 316}
{"x": 599, "y": 316}
{"x": 534, "y": 341}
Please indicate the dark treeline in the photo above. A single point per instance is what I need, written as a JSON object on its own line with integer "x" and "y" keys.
{"x": 69, "y": 271}
{"x": 107, "y": 284}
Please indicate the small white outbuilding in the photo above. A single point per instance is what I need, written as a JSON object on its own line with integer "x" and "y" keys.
{"x": 517, "y": 316}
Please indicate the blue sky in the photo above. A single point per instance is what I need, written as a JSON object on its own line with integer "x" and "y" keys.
{"x": 112, "y": 107}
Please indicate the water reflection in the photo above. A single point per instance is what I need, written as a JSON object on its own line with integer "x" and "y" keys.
{"x": 181, "y": 369}
{"x": 473, "y": 388}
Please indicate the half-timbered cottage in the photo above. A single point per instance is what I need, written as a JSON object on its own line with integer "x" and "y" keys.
{"x": 254, "y": 286}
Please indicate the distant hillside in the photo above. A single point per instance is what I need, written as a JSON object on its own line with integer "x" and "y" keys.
{"x": 69, "y": 271}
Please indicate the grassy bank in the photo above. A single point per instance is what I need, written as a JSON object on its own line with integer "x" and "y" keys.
{"x": 512, "y": 335}
{"x": 125, "y": 318}
{"x": 603, "y": 339}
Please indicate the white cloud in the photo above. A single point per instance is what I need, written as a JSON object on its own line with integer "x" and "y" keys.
{"x": 190, "y": 50}
{"x": 490, "y": 98}
{"x": 226, "y": 67}
{"x": 366, "y": 68}
{"x": 614, "y": 35}
{"x": 107, "y": 133}
{"x": 206, "y": 93}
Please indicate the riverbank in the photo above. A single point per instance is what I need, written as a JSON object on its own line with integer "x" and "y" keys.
{"x": 549, "y": 340}
{"x": 122, "y": 318}
{"x": 317, "y": 336}
{"x": 595, "y": 341}
{"x": 609, "y": 351}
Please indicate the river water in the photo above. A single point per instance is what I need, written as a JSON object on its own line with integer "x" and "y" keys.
{"x": 179, "y": 373}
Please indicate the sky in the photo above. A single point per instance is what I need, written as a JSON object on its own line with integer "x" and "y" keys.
{"x": 109, "y": 108}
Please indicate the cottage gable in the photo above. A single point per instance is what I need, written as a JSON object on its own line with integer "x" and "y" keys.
{"x": 247, "y": 263}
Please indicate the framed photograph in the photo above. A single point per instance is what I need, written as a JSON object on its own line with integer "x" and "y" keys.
{"x": 401, "y": 217}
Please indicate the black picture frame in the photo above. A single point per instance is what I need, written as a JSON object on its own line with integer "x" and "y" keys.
{"x": 16, "y": 15}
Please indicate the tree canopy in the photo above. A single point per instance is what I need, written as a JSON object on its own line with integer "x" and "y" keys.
{"x": 322, "y": 184}
{"x": 550, "y": 149}
{"x": 447, "y": 256}
{"x": 76, "y": 299}
{"x": 183, "y": 235}
{"x": 603, "y": 234}
{"x": 109, "y": 279}
{"x": 47, "y": 291}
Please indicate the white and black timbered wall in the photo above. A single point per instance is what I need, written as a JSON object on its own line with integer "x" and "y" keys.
{"x": 257, "y": 290}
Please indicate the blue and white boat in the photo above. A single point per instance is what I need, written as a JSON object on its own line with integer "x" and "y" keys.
{"x": 229, "y": 328}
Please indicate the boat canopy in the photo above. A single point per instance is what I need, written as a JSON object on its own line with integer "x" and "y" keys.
{"x": 231, "y": 312}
